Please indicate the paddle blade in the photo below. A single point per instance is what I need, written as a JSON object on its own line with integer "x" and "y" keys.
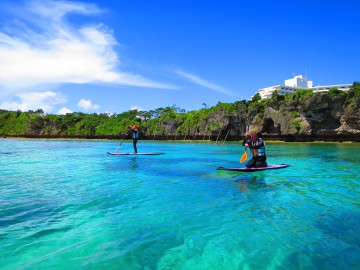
{"x": 244, "y": 157}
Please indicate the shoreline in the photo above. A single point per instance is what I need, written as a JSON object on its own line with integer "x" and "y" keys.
{"x": 270, "y": 139}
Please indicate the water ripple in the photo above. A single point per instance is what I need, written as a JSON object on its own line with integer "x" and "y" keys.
{"x": 71, "y": 205}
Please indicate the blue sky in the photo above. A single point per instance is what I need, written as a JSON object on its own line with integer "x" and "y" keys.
{"x": 113, "y": 56}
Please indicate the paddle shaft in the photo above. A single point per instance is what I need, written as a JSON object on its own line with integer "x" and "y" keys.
{"x": 120, "y": 143}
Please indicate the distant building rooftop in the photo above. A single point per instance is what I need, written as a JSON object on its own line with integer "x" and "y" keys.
{"x": 295, "y": 83}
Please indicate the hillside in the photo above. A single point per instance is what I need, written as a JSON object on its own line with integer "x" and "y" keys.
{"x": 302, "y": 116}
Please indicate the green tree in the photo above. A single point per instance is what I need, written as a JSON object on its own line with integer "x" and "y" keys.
{"x": 256, "y": 97}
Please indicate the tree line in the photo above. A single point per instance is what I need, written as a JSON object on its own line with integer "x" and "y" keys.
{"x": 169, "y": 120}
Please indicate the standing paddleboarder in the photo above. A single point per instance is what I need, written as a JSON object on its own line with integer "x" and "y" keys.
{"x": 135, "y": 136}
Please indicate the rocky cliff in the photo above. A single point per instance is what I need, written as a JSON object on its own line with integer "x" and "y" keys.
{"x": 319, "y": 116}
{"x": 302, "y": 116}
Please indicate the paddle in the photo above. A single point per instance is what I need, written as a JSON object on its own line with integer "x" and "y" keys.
{"x": 244, "y": 156}
{"x": 120, "y": 143}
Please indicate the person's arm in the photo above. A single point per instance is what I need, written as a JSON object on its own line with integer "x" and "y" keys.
{"x": 244, "y": 141}
{"x": 129, "y": 133}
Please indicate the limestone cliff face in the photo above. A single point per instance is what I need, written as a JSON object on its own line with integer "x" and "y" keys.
{"x": 302, "y": 116}
{"x": 319, "y": 115}
{"x": 316, "y": 117}
{"x": 350, "y": 119}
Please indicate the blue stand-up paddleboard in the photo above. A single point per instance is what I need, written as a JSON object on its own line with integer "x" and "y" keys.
{"x": 244, "y": 169}
{"x": 135, "y": 154}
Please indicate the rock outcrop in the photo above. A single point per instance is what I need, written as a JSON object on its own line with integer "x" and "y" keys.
{"x": 316, "y": 117}
{"x": 302, "y": 116}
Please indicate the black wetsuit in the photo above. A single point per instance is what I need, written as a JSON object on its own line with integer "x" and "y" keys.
{"x": 135, "y": 137}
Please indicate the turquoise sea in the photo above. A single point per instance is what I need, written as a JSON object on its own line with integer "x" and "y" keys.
{"x": 67, "y": 204}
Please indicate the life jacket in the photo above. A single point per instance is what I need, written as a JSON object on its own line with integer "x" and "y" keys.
{"x": 135, "y": 134}
{"x": 260, "y": 152}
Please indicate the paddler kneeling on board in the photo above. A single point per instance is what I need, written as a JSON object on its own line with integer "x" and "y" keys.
{"x": 257, "y": 149}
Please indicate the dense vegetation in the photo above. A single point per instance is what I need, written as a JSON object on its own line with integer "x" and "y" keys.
{"x": 79, "y": 124}
{"x": 165, "y": 121}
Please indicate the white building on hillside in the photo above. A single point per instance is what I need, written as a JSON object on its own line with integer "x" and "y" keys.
{"x": 298, "y": 82}
{"x": 342, "y": 87}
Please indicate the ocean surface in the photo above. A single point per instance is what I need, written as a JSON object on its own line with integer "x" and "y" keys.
{"x": 67, "y": 204}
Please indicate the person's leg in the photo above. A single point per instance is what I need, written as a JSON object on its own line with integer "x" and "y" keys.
{"x": 134, "y": 144}
{"x": 250, "y": 163}
{"x": 261, "y": 162}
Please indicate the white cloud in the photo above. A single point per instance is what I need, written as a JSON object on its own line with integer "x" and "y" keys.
{"x": 199, "y": 81}
{"x": 137, "y": 108}
{"x": 41, "y": 47}
{"x": 86, "y": 104}
{"x": 35, "y": 100}
{"x": 64, "y": 111}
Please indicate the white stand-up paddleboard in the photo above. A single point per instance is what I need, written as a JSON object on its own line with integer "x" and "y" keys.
{"x": 135, "y": 154}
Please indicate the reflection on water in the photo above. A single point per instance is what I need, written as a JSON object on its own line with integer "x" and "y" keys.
{"x": 134, "y": 164}
{"x": 250, "y": 181}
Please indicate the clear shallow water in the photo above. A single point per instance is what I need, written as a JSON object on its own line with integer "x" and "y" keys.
{"x": 69, "y": 205}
